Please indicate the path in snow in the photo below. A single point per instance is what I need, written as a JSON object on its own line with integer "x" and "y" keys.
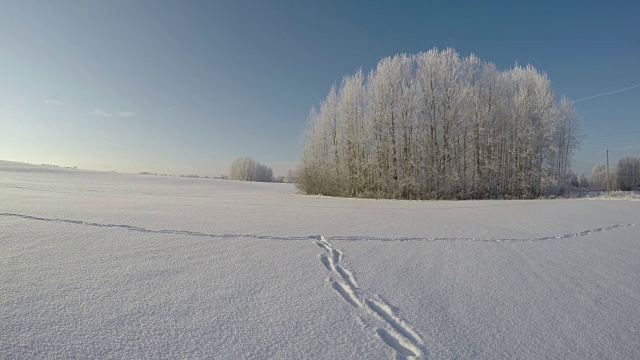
{"x": 338, "y": 237}
{"x": 393, "y": 331}
{"x": 398, "y": 335}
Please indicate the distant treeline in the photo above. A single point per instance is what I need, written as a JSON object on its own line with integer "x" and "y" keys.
{"x": 247, "y": 169}
{"x": 223, "y": 177}
{"x": 437, "y": 126}
{"x": 626, "y": 176}
{"x": 57, "y": 166}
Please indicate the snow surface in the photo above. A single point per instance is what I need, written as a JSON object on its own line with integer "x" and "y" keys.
{"x": 105, "y": 265}
{"x": 615, "y": 195}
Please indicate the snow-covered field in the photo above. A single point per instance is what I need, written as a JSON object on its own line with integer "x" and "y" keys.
{"x": 612, "y": 195}
{"x": 105, "y": 265}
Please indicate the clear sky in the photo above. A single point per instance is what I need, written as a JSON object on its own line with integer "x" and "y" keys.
{"x": 185, "y": 87}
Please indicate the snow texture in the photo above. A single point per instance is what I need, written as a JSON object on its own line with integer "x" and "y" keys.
{"x": 614, "y": 195}
{"x": 105, "y": 265}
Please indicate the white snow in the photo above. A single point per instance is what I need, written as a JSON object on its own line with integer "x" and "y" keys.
{"x": 105, "y": 265}
{"x": 615, "y": 195}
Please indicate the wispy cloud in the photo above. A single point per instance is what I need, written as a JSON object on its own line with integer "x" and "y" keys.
{"x": 118, "y": 114}
{"x": 125, "y": 114}
{"x": 98, "y": 112}
{"x": 54, "y": 102}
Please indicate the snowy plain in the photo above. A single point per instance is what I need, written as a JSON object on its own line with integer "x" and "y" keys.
{"x": 106, "y": 265}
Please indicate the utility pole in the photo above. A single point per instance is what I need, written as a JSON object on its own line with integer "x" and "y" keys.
{"x": 608, "y": 170}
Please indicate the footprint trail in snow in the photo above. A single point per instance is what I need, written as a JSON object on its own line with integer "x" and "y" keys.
{"x": 394, "y": 332}
{"x": 336, "y": 256}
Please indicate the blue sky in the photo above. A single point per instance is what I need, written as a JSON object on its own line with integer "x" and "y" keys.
{"x": 187, "y": 86}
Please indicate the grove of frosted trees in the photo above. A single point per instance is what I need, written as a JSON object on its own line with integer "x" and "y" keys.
{"x": 247, "y": 169}
{"x": 628, "y": 173}
{"x": 437, "y": 126}
{"x": 626, "y": 176}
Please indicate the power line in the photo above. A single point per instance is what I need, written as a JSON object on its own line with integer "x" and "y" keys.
{"x": 626, "y": 147}
{"x": 607, "y": 93}
{"x": 597, "y": 156}
{"x": 587, "y": 159}
{"x": 607, "y": 141}
{"x": 588, "y": 137}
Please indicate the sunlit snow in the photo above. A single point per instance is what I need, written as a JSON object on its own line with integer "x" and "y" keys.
{"x": 107, "y": 265}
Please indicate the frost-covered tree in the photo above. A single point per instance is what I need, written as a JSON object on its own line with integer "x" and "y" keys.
{"x": 247, "y": 169}
{"x": 628, "y": 174}
{"x": 599, "y": 177}
{"x": 583, "y": 181}
{"x": 435, "y": 125}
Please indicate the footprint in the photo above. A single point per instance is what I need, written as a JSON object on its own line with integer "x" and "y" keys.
{"x": 346, "y": 292}
{"x": 323, "y": 246}
{"x": 337, "y": 255}
{"x": 385, "y": 312}
{"x": 326, "y": 262}
{"x": 396, "y": 343}
{"x": 347, "y": 276}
